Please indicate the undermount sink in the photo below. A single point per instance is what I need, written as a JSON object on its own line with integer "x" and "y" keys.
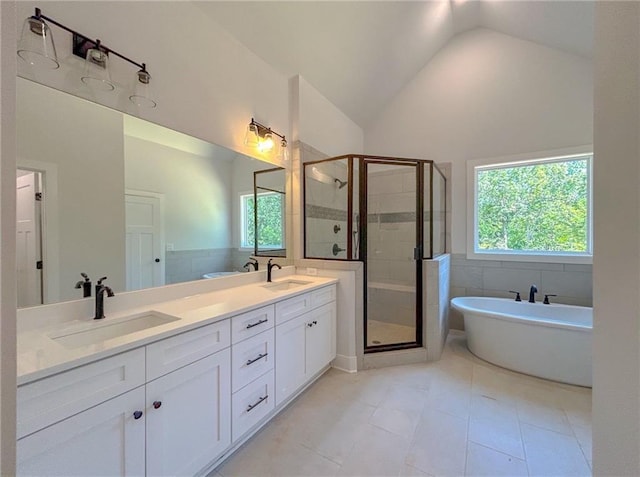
{"x": 284, "y": 285}
{"x": 98, "y": 331}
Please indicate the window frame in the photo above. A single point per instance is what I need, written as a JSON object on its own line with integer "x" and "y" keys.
{"x": 473, "y": 166}
{"x": 243, "y": 222}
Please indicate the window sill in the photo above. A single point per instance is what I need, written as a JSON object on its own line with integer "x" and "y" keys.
{"x": 531, "y": 257}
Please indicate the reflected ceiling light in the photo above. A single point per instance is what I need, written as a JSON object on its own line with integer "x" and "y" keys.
{"x": 37, "y": 48}
{"x": 260, "y": 136}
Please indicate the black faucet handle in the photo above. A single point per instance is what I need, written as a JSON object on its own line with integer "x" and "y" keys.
{"x": 546, "y": 299}
{"x": 101, "y": 280}
{"x": 517, "y": 295}
{"x": 85, "y": 276}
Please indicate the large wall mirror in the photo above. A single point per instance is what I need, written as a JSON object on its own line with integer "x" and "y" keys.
{"x": 107, "y": 194}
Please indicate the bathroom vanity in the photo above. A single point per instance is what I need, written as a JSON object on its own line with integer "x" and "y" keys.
{"x": 172, "y": 388}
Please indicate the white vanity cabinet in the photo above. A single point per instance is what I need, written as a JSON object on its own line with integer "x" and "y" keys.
{"x": 305, "y": 339}
{"x": 178, "y": 405}
{"x": 188, "y": 418}
{"x": 107, "y": 439}
{"x": 175, "y": 422}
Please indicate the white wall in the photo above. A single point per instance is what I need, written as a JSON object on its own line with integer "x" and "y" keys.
{"x": 7, "y": 239}
{"x": 319, "y": 123}
{"x": 207, "y": 83}
{"x": 486, "y": 95}
{"x": 86, "y": 148}
{"x": 616, "y": 265}
{"x": 196, "y": 191}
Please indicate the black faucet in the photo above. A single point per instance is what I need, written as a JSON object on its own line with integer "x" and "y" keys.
{"x": 532, "y": 294}
{"x": 85, "y": 285}
{"x": 100, "y": 291}
{"x": 270, "y": 266}
{"x": 252, "y": 263}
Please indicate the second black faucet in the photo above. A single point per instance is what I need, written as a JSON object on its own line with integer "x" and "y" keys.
{"x": 270, "y": 267}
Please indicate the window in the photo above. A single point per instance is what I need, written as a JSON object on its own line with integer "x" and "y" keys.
{"x": 270, "y": 221}
{"x": 529, "y": 210}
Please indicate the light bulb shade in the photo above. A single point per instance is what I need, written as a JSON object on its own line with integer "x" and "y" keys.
{"x": 251, "y": 137}
{"x": 142, "y": 95}
{"x": 265, "y": 143}
{"x": 283, "y": 151}
{"x": 96, "y": 71}
{"x": 36, "y": 45}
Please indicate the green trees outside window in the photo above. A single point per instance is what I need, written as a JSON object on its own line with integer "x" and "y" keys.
{"x": 270, "y": 221}
{"x": 534, "y": 207}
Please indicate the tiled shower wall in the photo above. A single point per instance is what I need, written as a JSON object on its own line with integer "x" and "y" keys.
{"x": 326, "y": 212}
{"x": 572, "y": 283}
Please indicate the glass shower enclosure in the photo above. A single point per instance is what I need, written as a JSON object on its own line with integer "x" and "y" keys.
{"x": 389, "y": 213}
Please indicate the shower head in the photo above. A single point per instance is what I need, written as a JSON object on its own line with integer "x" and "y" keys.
{"x": 340, "y": 183}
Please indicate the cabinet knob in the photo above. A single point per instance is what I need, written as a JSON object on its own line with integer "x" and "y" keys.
{"x": 137, "y": 414}
{"x": 309, "y": 325}
{"x": 315, "y": 322}
{"x": 157, "y": 260}
{"x": 157, "y": 404}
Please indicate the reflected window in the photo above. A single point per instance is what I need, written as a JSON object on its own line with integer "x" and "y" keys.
{"x": 271, "y": 209}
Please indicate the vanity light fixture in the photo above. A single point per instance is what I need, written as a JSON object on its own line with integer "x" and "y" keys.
{"x": 261, "y": 137}
{"x": 37, "y": 48}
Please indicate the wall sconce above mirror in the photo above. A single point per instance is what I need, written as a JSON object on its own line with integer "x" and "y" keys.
{"x": 37, "y": 48}
{"x": 262, "y": 138}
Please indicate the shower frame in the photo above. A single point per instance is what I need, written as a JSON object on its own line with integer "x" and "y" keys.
{"x": 419, "y": 253}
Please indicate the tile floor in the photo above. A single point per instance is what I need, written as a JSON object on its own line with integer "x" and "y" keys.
{"x": 379, "y": 332}
{"x": 458, "y": 416}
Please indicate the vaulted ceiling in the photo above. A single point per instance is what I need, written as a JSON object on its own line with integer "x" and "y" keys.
{"x": 360, "y": 54}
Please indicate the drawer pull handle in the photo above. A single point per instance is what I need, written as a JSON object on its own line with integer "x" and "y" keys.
{"x": 250, "y": 407}
{"x": 251, "y": 325}
{"x": 258, "y": 358}
{"x": 137, "y": 414}
{"x": 157, "y": 404}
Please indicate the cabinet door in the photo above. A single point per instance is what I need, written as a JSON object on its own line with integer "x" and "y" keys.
{"x": 103, "y": 440}
{"x": 189, "y": 416}
{"x": 320, "y": 338}
{"x": 290, "y": 357}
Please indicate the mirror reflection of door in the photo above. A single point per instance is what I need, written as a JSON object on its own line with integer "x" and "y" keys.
{"x": 29, "y": 238}
{"x": 144, "y": 240}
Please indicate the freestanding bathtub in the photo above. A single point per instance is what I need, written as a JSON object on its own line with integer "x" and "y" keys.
{"x": 548, "y": 341}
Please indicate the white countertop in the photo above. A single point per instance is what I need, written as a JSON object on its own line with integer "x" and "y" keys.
{"x": 40, "y": 356}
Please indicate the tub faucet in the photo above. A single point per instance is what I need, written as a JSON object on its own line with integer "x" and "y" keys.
{"x": 270, "y": 267}
{"x": 100, "y": 291}
{"x": 251, "y": 263}
{"x": 532, "y": 294}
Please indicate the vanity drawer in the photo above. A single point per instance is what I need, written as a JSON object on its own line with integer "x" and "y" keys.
{"x": 323, "y": 296}
{"x": 251, "y": 323}
{"x": 252, "y": 358}
{"x": 251, "y": 404}
{"x": 52, "y": 399}
{"x": 185, "y": 348}
{"x": 292, "y": 307}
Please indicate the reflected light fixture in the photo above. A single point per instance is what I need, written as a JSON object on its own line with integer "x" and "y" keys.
{"x": 37, "y": 48}
{"x": 261, "y": 137}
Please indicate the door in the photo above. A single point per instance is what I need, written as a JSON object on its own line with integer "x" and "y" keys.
{"x": 320, "y": 338}
{"x": 107, "y": 439}
{"x": 392, "y": 250}
{"x": 28, "y": 240}
{"x": 290, "y": 357}
{"x": 144, "y": 242}
{"x": 189, "y": 416}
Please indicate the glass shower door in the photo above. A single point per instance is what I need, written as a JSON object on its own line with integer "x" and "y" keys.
{"x": 391, "y": 253}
